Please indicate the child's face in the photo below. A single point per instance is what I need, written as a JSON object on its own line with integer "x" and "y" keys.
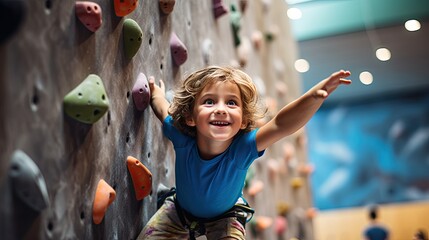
{"x": 218, "y": 112}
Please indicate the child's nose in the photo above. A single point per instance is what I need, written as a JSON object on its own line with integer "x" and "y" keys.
{"x": 220, "y": 108}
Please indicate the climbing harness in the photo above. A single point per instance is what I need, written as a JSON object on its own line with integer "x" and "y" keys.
{"x": 241, "y": 210}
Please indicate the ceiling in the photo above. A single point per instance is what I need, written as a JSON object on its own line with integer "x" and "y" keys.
{"x": 344, "y": 34}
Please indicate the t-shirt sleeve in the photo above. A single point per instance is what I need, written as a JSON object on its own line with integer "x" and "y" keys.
{"x": 172, "y": 133}
{"x": 245, "y": 149}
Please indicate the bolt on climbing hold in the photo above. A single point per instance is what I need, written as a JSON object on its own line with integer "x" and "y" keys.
{"x": 28, "y": 182}
{"x": 124, "y": 7}
{"x": 178, "y": 50}
{"x": 219, "y": 8}
{"x": 132, "y": 38}
{"x": 235, "y": 18}
{"x": 141, "y": 176}
{"x": 104, "y": 196}
{"x": 141, "y": 92}
{"x": 167, "y": 6}
{"x": 89, "y": 13}
{"x": 88, "y": 102}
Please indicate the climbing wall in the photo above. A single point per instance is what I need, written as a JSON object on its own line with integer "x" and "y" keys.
{"x": 73, "y": 109}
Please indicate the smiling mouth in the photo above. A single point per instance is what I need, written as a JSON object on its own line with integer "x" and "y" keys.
{"x": 220, "y": 123}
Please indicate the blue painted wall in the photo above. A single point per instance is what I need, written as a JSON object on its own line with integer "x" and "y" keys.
{"x": 321, "y": 18}
{"x": 370, "y": 152}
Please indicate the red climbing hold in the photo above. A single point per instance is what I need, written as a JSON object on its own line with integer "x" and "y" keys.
{"x": 89, "y": 13}
{"x": 141, "y": 176}
{"x": 125, "y": 7}
{"x": 218, "y": 8}
{"x": 104, "y": 196}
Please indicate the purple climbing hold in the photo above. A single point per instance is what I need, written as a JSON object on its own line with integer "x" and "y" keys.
{"x": 178, "y": 50}
{"x": 141, "y": 92}
{"x": 218, "y": 8}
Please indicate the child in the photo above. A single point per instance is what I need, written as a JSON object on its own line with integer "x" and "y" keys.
{"x": 211, "y": 123}
{"x": 420, "y": 235}
{"x": 375, "y": 231}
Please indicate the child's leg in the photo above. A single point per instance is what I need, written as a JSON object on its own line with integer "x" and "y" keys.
{"x": 164, "y": 224}
{"x": 226, "y": 228}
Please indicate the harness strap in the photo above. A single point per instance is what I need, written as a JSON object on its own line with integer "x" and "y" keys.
{"x": 243, "y": 213}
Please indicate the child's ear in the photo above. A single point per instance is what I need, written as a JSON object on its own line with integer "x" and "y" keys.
{"x": 190, "y": 122}
{"x": 244, "y": 124}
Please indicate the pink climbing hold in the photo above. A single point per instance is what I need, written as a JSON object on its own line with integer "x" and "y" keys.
{"x": 89, "y": 13}
{"x": 141, "y": 92}
{"x": 280, "y": 225}
{"x": 178, "y": 50}
{"x": 218, "y": 8}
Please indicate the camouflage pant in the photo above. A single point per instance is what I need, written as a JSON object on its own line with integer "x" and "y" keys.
{"x": 165, "y": 224}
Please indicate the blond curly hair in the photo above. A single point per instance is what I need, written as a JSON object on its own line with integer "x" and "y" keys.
{"x": 185, "y": 95}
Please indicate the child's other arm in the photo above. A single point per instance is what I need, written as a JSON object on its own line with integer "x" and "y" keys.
{"x": 296, "y": 114}
{"x": 158, "y": 102}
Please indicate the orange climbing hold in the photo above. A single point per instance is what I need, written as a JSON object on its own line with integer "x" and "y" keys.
{"x": 141, "y": 176}
{"x": 125, "y": 7}
{"x": 104, "y": 196}
{"x": 259, "y": 224}
{"x": 256, "y": 186}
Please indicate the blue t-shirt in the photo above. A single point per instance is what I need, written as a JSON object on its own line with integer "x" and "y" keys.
{"x": 208, "y": 188}
{"x": 376, "y": 232}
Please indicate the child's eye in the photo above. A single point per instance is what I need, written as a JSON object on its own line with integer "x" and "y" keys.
{"x": 209, "y": 101}
{"x": 232, "y": 103}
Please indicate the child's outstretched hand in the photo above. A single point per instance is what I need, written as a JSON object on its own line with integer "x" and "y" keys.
{"x": 328, "y": 85}
{"x": 156, "y": 90}
{"x": 157, "y": 100}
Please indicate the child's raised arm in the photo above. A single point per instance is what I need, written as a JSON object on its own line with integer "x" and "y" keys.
{"x": 158, "y": 102}
{"x": 296, "y": 114}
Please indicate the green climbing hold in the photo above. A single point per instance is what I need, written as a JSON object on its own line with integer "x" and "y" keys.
{"x": 235, "y": 18}
{"x": 132, "y": 38}
{"x": 88, "y": 102}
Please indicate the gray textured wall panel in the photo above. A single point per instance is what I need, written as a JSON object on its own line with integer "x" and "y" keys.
{"x": 52, "y": 53}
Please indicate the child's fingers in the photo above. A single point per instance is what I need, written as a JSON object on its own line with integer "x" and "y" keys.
{"x": 345, "y": 81}
{"x": 321, "y": 93}
{"x": 341, "y": 74}
{"x": 151, "y": 83}
{"x": 151, "y": 80}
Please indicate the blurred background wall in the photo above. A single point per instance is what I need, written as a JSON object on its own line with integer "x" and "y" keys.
{"x": 368, "y": 144}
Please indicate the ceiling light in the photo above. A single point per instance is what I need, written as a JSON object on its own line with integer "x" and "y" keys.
{"x": 365, "y": 78}
{"x": 294, "y": 13}
{"x": 383, "y": 54}
{"x": 302, "y": 66}
{"x": 412, "y": 25}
